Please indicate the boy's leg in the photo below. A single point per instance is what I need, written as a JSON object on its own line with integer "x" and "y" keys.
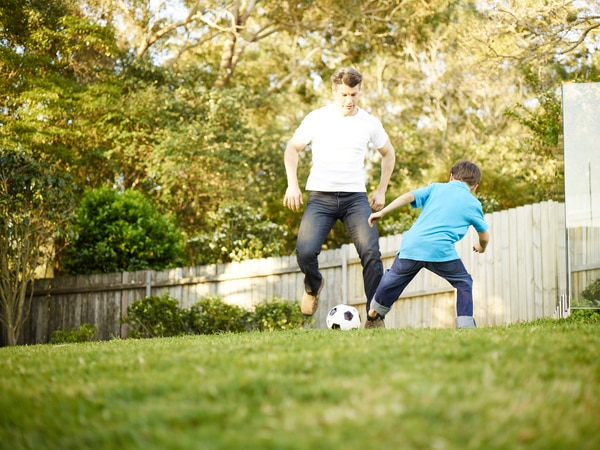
{"x": 393, "y": 282}
{"x": 456, "y": 274}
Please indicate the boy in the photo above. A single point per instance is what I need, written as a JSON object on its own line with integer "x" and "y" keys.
{"x": 448, "y": 211}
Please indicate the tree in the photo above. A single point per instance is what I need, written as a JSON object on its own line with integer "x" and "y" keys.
{"x": 36, "y": 203}
{"x": 56, "y": 70}
{"x": 191, "y": 102}
{"x": 237, "y": 232}
{"x": 545, "y": 44}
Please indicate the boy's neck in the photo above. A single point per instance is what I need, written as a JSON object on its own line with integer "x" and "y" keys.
{"x": 471, "y": 188}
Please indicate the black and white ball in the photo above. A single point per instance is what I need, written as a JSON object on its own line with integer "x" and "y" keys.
{"x": 343, "y": 317}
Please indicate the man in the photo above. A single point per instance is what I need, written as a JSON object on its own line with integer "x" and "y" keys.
{"x": 340, "y": 134}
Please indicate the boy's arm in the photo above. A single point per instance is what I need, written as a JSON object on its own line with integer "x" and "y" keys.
{"x": 403, "y": 200}
{"x": 484, "y": 238}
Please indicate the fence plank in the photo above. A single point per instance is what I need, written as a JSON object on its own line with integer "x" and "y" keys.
{"x": 536, "y": 259}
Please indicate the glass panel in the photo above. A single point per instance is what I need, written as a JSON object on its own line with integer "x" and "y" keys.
{"x": 581, "y": 122}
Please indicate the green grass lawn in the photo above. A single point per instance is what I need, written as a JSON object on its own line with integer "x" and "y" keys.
{"x": 534, "y": 385}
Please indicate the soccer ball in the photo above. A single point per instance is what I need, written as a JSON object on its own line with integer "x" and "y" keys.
{"x": 343, "y": 317}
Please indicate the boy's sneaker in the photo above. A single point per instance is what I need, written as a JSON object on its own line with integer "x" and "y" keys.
{"x": 376, "y": 322}
{"x": 309, "y": 302}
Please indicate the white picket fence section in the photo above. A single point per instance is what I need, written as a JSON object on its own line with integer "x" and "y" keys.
{"x": 522, "y": 276}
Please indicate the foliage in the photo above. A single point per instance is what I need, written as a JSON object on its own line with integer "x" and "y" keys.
{"x": 54, "y": 65}
{"x": 591, "y": 294}
{"x": 238, "y": 232}
{"x": 398, "y": 223}
{"x": 121, "y": 231}
{"x": 516, "y": 387}
{"x": 192, "y": 102}
{"x": 278, "y": 314}
{"x": 161, "y": 316}
{"x": 187, "y": 148}
{"x": 84, "y": 333}
{"x": 545, "y": 177}
{"x": 155, "y": 317}
{"x": 584, "y": 316}
{"x": 36, "y": 202}
{"x": 212, "y": 315}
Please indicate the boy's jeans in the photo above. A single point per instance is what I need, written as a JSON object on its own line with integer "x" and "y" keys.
{"x": 322, "y": 211}
{"x": 397, "y": 277}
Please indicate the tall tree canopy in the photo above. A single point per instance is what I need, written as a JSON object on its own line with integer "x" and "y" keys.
{"x": 191, "y": 102}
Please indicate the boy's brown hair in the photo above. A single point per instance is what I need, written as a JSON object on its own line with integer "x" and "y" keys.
{"x": 466, "y": 171}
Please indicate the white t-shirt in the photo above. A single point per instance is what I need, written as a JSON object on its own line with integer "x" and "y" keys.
{"x": 339, "y": 148}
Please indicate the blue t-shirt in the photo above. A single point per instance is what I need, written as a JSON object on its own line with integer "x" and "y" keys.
{"x": 448, "y": 211}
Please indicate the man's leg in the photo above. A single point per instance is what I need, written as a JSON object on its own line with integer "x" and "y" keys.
{"x": 365, "y": 239}
{"x": 317, "y": 222}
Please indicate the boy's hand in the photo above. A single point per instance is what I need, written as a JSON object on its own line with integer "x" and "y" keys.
{"x": 478, "y": 248}
{"x": 374, "y": 217}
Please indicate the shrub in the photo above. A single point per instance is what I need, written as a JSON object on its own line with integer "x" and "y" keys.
{"x": 155, "y": 317}
{"x": 592, "y": 294}
{"x": 121, "y": 231}
{"x": 584, "y": 316}
{"x": 212, "y": 315}
{"x": 84, "y": 333}
{"x": 161, "y": 317}
{"x": 278, "y": 314}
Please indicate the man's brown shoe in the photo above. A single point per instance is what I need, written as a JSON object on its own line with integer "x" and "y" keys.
{"x": 309, "y": 302}
{"x": 377, "y": 322}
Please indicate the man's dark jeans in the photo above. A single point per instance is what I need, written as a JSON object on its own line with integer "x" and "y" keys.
{"x": 322, "y": 211}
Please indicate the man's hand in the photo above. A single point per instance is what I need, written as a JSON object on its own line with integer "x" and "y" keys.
{"x": 377, "y": 200}
{"x": 293, "y": 198}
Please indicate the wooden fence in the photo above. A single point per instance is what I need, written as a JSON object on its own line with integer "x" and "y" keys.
{"x": 522, "y": 276}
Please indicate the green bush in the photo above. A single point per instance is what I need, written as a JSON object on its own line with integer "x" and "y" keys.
{"x": 84, "y": 333}
{"x": 161, "y": 317}
{"x": 592, "y": 294}
{"x": 212, "y": 315}
{"x": 156, "y": 317}
{"x": 119, "y": 232}
{"x": 278, "y": 314}
{"x": 584, "y": 316}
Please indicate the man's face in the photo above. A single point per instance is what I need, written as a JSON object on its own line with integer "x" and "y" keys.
{"x": 345, "y": 98}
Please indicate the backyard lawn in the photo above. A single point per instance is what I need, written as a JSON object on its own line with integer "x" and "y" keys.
{"x": 533, "y": 385}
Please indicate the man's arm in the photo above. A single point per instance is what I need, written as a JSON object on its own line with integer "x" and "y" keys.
{"x": 388, "y": 160}
{"x": 293, "y": 194}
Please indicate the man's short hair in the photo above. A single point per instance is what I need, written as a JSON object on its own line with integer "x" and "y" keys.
{"x": 466, "y": 171}
{"x": 348, "y": 76}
